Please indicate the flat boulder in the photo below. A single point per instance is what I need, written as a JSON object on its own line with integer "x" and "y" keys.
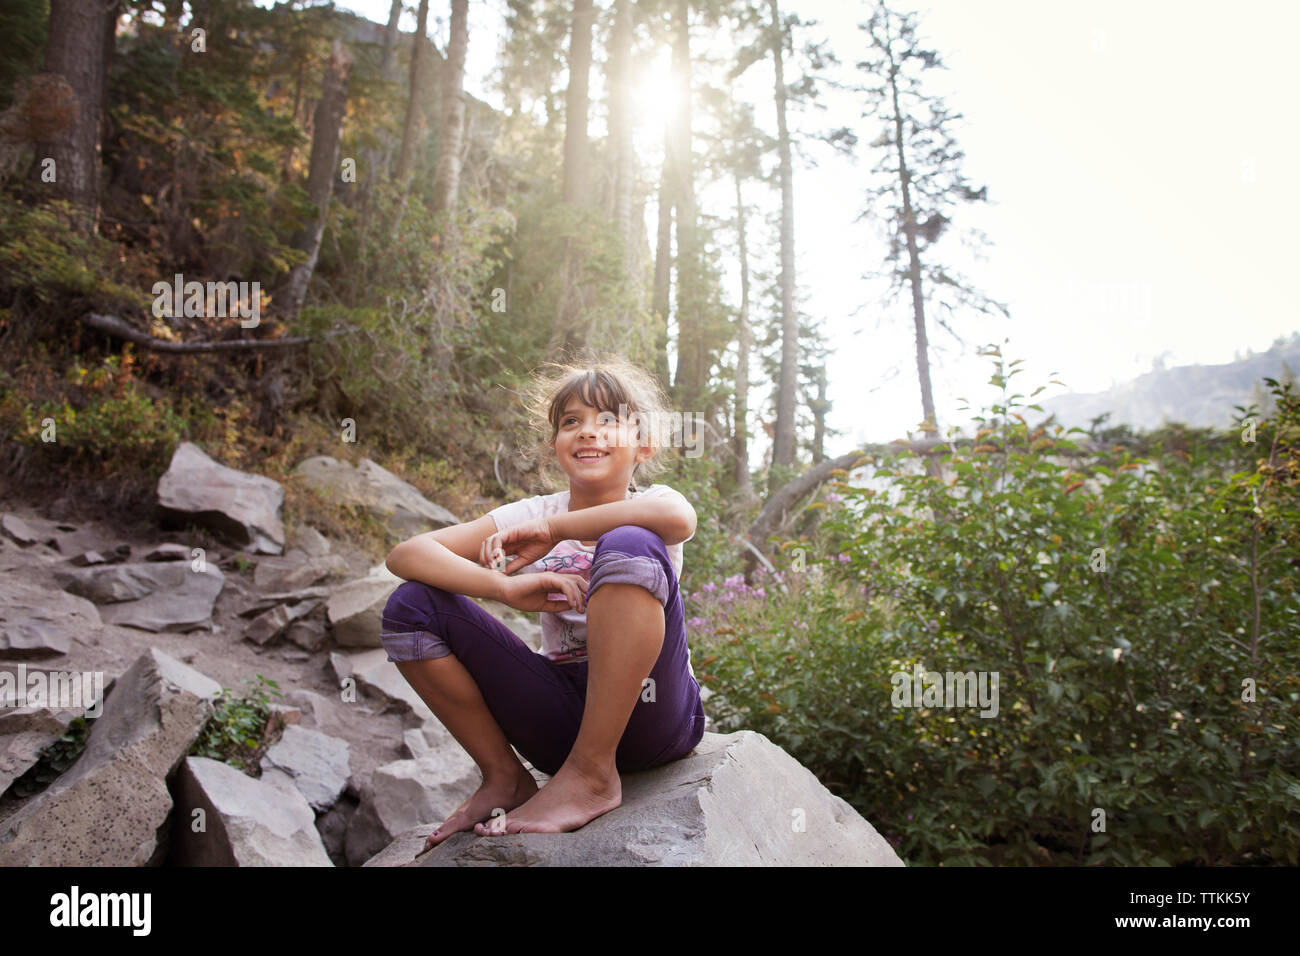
{"x": 242, "y": 508}
{"x": 736, "y": 800}
{"x": 398, "y": 505}
{"x": 26, "y": 531}
{"x": 37, "y": 621}
{"x": 152, "y": 595}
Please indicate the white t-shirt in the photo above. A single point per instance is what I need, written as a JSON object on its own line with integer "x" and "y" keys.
{"x": 564, "y": 633}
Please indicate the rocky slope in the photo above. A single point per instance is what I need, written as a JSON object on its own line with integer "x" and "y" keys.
{"x": 142, "y": 632}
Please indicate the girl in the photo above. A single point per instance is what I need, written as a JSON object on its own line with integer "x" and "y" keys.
{"x": 613, "y": 689}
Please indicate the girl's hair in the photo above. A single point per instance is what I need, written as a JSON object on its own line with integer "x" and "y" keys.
{"x": 603, "y": 383}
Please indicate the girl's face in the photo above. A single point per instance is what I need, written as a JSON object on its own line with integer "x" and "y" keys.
{"x": 596, "y": 448}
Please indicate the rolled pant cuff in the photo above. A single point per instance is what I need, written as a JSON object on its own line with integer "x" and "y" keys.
{"x": 617, "y": 568}
{"x": 413, "y": 645}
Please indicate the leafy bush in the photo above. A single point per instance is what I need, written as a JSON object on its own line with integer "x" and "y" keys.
{"x": 53, "y": 267}
{"x": 105, "y": 414}
{"x": 711, "y": 552}
{"x": 1141, "y": 615}
{"x": 236, "y": 732}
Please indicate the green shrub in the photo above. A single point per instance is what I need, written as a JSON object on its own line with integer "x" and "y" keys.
{"x": 1121, "y": 690}
{"x": 45, "y": 257}
{"x": 106, "y": 415}
{"x": 235, "y": 734}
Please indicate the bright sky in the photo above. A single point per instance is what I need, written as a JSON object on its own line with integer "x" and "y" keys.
{"x": 1135, "y": 153}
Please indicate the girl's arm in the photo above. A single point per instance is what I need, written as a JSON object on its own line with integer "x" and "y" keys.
{"x": 443, "y": 559}
{"x": 672, "y": 518}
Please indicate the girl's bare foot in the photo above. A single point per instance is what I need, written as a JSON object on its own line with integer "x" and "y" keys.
{"x": 505, "y": 793}
{"x": 570, "y": 800}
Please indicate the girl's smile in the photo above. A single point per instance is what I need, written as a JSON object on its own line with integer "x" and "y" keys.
{"x": 598, "y": 451}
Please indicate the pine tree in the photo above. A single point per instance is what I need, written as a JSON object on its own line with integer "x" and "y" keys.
{"x": 918, "y": 181}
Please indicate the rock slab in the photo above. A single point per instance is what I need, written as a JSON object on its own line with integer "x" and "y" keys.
{"x": 245, "y": 822}
{"x": 107, "y": 808}
{"x": 152, "y": 596}
{"x": 395, "y": 503}
{"x": 736, "y": 800}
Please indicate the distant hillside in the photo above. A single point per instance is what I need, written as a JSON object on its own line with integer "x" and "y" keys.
{"x": 1194, "y": 395}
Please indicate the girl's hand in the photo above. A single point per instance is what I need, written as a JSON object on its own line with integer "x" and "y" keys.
{"x": 533, "y": 592}
{"x": 527, "y": 542}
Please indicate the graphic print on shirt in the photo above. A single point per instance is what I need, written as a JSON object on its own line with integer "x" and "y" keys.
{"x": 565, "y": 559}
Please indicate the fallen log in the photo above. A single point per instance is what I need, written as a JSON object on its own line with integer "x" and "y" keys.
{"x": 118, "y": 328}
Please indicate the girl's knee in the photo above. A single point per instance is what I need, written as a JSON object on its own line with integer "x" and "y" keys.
{"x": 631, "y": 567}
{"x": 630, "y": 539}
{"x": 409, "y": 628}
{"x": 413, "y": 602}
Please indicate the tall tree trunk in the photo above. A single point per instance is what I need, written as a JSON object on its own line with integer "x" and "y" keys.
{"x": 388, "y": 66}
{"x": 783, "y": 450}
{"x": 414, "y": 121}
{"x": 740, "y": 428}
{"x": 621, "y": 125}
{"x": 74, "y": 53}
{"x": 323, "y": 169}
{"x": 111, "y": 13}
{"x": 376, "y": 160}
{"x": 688, "y": 381}
{"x": 576, "y": 189}
{"x": 447, "y": 180}
{"x": 819, "y": 407}
{"x": 663, "y": 260}
{"x": 913, "y": 255}
{"x": 570, "y": 319}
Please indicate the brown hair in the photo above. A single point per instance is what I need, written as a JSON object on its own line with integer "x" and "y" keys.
{"x": 603, "y": 383}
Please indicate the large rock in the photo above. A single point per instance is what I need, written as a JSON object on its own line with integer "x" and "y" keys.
{"x": 329, "y": 715}
{"x": 736, "y": 800}
{"x": 246, "y": 822}
{"x": 410, "y": 794}
{"x": 152, "y": 595}
{"x": 297, "y": 569}
{"x": 356, "y": 609}
{"x": 270, "y": 624}
{"x": 378, "y": 678}
{"x": 67, "y": 539}
{"x": 317, "y": 764}
{"x": 106, "y": 810}
{"x": 399, "y": 506}
{"x": 309, "y": 541}
{"x": 243, "y": 508}
{"x": 37, "y": 621}
{"x": 23, "y": 531}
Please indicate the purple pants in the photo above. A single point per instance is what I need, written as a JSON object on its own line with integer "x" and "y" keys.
{"x": 539, "y": 703}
